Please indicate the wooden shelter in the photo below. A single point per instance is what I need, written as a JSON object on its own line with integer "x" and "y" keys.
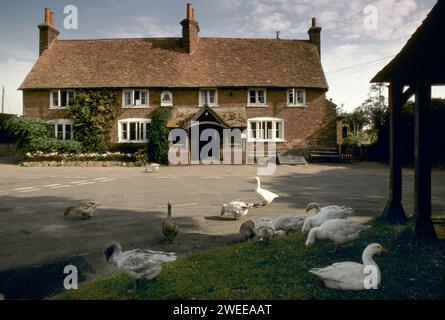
{"x": 419, "y": 66}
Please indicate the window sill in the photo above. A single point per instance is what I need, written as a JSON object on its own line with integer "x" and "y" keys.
{"x": 58, "y": 108}
{"x": 257, "y": 105}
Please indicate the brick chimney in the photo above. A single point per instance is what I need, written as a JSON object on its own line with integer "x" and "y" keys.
{"x": 190, "y": 31}
{"x": 315, "y": 35}
{"x": 48, "y": 31}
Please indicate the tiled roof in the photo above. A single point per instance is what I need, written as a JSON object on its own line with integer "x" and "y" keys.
{"x": 158, "y": 63}
{"x": 234, "y": 117}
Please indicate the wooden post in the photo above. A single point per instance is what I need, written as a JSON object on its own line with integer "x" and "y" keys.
{"x": 424, "y": 231}
{"x": 3, "y": 100}
{"x": 394, "y": 212}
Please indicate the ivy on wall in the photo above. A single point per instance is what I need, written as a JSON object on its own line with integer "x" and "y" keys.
{"x": 158, "y": 135}
{"x": 93, "y": 113}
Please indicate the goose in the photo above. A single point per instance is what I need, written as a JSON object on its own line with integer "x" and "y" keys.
{"x": 238, "y": 209}
{"x": 247, "y": 230}
{"x": 288, "y": 224}
{"x": 339, "y": 231}
{"x": 169, "y": 228}
{"x": 152, "y": 168}
{"x": 265, "y": 229}
{"x": 139, "y": 264}
{"x": 325, "y": 214}
{"x": 350, "y": 275}
{"x": 316, "y": 208}
{"x": 85, "y": 209}
{"x": 265, "y": 195}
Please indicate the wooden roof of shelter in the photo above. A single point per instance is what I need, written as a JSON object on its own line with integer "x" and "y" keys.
{"x": 423, "y": 55}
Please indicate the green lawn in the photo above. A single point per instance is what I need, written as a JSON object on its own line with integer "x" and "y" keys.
{"x": 279, "y": 270}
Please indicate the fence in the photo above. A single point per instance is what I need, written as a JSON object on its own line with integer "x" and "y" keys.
{"x": 353, "y": 153}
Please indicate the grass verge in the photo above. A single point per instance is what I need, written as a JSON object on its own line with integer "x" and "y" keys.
{"x": 278, "y": 269}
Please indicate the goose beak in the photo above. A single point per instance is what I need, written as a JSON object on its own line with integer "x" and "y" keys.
{"x": 384, "y": 250}
{"x": 307, "y": 248}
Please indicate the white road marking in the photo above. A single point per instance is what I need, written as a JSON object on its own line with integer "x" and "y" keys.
{"x": 52, "y": 185}
{"x": 59, "y": 187}
{"x": 212, "y": 177}
{"x": 108, "y": 180}
{"x": 86, "y": 183}
{"x": 98, "y": 179}
{"x": 30, "y": 190}
{"x": 77, "y": 182}
{"x": 21, "y": 189}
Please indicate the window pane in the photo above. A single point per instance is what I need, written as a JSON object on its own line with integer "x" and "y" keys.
{"x": 70, "y": 97}
{"x": 55, "y": 98}
{"x": 279, "y": 130}
{"x": 137, "y": 98}
{"x": 144, "y": 98}
{"x": 127, "y": 98}
{"x": 60, "y": 131}
{"x": 253, "y": 127}
{"x": 268, "y": 130}
{"x": 63, "y": 97}
{"x": 252, "y": 96}
{"x": 124, "y": 131}
{"x": 261, "y": 96}
{"x": 291, "y": 96}
{"x": 68, "y": 131}
{"x": 133, "y": 133}
{"x": 212, "y": 97}
{"x": 300, "y": 96}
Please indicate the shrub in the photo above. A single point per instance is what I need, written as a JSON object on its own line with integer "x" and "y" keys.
{"x": 141, "y": 157}
{"x": 5, "y": 135}
{"x": 41, "y": 156}
{"x": 93, "y": 113}
{"x": 27, "y": 129}
{"x": 158, "y": 135}
{"x": 53, "y": 145}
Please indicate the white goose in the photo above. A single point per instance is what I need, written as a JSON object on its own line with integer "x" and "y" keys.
{"x": 325, "y": 214}
{"x": 350, "y": 275}
{"x": 139, "y": 264}
{"x": 316, "y": 208}
{"x": 265, "y": 195}
{"x": 289, "y": 224}
{"x": 238, "y": 209}
{"x": 265, "y": 229}
{"x": 338, "y": 230}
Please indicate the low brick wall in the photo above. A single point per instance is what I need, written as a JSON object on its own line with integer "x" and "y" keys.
{"x": 7, "y": 150}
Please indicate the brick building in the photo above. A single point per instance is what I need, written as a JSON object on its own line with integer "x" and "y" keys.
{"x": 274, "y": 88}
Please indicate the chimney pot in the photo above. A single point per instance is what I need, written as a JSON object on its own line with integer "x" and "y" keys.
{"x": 53, "y": 19}
{"x": 189, "y": 11}
{"x": 47, "y": 16}
{"x": 314, "y": 22}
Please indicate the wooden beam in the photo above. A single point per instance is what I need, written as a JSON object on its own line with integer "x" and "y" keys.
{"x": 394, "y": 212}
{"x": 424, "y": 230}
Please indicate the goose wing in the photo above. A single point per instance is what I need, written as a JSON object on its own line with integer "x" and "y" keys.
{"x": 266, "y": 195}
{"x": 343, "y": 275}
{"x": 289, "y": 224}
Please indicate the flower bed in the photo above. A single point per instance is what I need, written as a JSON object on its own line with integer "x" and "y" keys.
{"x": 79, "y": 160}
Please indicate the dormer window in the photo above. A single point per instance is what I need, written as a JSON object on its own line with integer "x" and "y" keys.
{"x": 166, "y": 99}
{"x": 208, "y": 97}
{"x": 135, "y": 98}
{"x": 257, "y": 98}
{"x": 61, "y": 98}
{"x": 296, "y": 98}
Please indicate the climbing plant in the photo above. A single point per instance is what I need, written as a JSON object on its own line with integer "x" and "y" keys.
{"x": 158, "y": 135}
{"x": 93, "y": 113}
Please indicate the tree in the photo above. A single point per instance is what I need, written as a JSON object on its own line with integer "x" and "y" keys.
{"x": 93, "y": 113}
{"x": 158, "y": 133}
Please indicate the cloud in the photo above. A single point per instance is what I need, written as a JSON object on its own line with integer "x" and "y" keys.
{"x": 143, "y": 27}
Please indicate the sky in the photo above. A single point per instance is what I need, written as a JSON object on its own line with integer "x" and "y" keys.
{"x": 359, "y": 37}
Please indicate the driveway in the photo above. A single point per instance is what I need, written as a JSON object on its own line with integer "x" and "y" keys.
{"x": 37, "y": 240}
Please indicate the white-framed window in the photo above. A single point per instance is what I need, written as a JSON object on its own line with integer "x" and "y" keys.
{"x": 135, "y": 98}
{"x": 166, "y": 99}
{"x": 208, "y": 97}
{"x": 133, "y": 130}
{"x": 257, "y": 98}
{"x": 265, "y": 129}
{"x": 61, "y": 98}
{"x": 296, "y": 97}
{"x": 62, "y": 129}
